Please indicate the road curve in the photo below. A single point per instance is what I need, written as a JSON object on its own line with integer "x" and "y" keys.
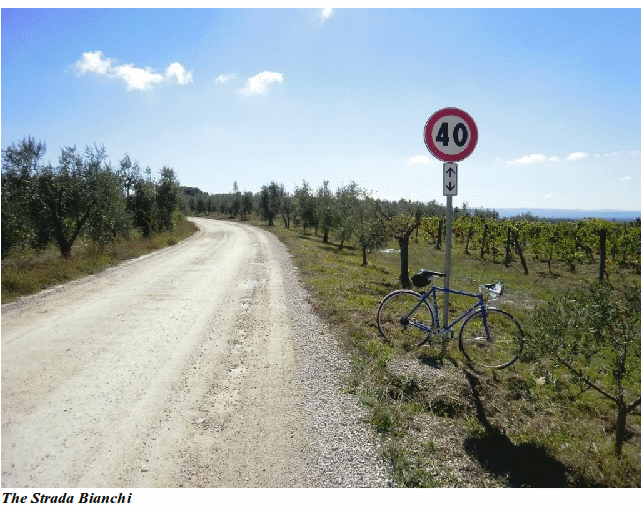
{"x": 175, "y": 369}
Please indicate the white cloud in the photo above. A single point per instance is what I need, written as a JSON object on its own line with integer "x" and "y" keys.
{"x": 178, "y": 71}
{"x": 626, "y": 178}
{"x": 223, "y": 78}
{"x": 530, "y": 159}
{"x": 136, "y": 78}
{"x": 93, "y": 62}
{"x": 419, "y": 160}
{"x": 577, "y": 155}
{"x": 257, "y": 85}
{"x": 553, "y": 159}
{"x": 547, "y": 196}
{"x": 326, "y": 13}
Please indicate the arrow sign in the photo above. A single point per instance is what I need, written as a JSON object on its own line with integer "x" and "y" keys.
{"x": 450, "y": 178}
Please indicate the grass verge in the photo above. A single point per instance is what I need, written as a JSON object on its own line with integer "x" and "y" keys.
{"x": 442, "y": 423}
{"x": 29, "y": 271}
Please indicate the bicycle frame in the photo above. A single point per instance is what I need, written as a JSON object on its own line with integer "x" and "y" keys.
{"x": 432, "y": 292}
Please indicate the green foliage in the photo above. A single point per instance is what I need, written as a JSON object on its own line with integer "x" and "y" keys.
{"x": 21, "y": 225}
{"x": 246, "y": 205}
{"x": 111, "y": 218}
{"x": 595, "y": 335}
{"x": 80, "y": 196}
{"x": 167, "y": 198}
{"x": 346, "y": 205}
{"x": 271, "y": 201}
{"x": 327, "y": 211}
{"x": 305, "y": 210}
{"x": 143, "y": 206}
{"x": 370, "y": 228}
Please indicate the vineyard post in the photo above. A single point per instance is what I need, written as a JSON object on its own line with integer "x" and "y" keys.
{"x": 508, "y": 253}
{"x": 602, "y": 234}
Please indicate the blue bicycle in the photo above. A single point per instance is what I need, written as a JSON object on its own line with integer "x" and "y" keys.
{"x": 489, "y": 337}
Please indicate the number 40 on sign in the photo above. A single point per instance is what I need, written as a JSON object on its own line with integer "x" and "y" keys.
{"x": 450, "y": 134}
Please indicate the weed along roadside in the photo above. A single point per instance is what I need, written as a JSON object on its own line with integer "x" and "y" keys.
{"x": 445, "y": 424}
{"x": 27, "y": 272}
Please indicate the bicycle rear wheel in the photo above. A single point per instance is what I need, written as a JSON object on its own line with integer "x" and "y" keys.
{"x": 399, "y": 316}
{"x": 497, "y": 350}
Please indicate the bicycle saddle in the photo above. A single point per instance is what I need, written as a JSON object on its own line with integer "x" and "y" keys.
{"x": 424, "y": 277}
{"x": 430, "y": 274}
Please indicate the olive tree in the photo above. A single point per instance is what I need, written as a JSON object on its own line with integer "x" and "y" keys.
{"x": 402, "y": 226}
{"x": 305, "y": 212}
{"x": 369, "y": 228}
{"x": 271, "y": 201}
{"x": 595, "y": 335}
{"x": 20, "y": 164}
{"x": 326, "y": 210}
{"x": 56, "y": 201}
{"x": 167, "y": 198}
{"x": 111, "y": 218}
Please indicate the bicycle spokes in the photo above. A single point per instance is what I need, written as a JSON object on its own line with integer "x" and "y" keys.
{"x": 492, "y": 342}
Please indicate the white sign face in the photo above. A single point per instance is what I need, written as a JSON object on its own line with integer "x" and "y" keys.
{"x": 450, "y": 134}
{"x": 450, "y": 178}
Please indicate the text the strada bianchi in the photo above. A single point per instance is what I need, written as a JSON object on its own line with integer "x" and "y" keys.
{"x": 89, "y": 498}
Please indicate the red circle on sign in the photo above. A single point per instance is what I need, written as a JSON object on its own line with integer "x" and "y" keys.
{"x": 435, "y": 150}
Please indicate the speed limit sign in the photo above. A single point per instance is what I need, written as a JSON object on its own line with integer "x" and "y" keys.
{"x": 450, "y": 134}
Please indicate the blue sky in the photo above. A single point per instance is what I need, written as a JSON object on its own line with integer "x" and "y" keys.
{"x": 255, "y": 95}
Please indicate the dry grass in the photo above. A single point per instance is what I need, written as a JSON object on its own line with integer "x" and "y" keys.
{"x": 30, "y": 271}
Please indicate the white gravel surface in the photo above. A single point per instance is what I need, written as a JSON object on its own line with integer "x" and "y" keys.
{"x": 201, "y": 365}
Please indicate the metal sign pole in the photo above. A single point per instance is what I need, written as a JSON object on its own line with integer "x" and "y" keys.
{"x": 448, "y": 250}
{"x": 450, "y": 135}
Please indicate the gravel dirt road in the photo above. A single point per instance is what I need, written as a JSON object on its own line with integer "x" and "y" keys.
{"x": 201, "y": 365}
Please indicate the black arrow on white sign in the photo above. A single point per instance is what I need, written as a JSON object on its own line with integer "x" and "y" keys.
{"x": 450, "y": 177}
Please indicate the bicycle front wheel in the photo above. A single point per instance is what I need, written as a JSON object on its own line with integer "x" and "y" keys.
{"x": 403, "y": 319}
{"x": 496, "y": 346}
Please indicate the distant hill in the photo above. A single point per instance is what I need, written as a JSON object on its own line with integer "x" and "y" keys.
{"x": 571, "y": 214}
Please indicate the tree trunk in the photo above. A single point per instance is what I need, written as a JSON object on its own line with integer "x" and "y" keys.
{"x": 467, "y": 243}
{"x": 325, "y": 235}
{"x": 364, "y": 256}
{"x": 620, "y": 428}
{"x": 403, "y": 243}
{"x": 517, "y": 247}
